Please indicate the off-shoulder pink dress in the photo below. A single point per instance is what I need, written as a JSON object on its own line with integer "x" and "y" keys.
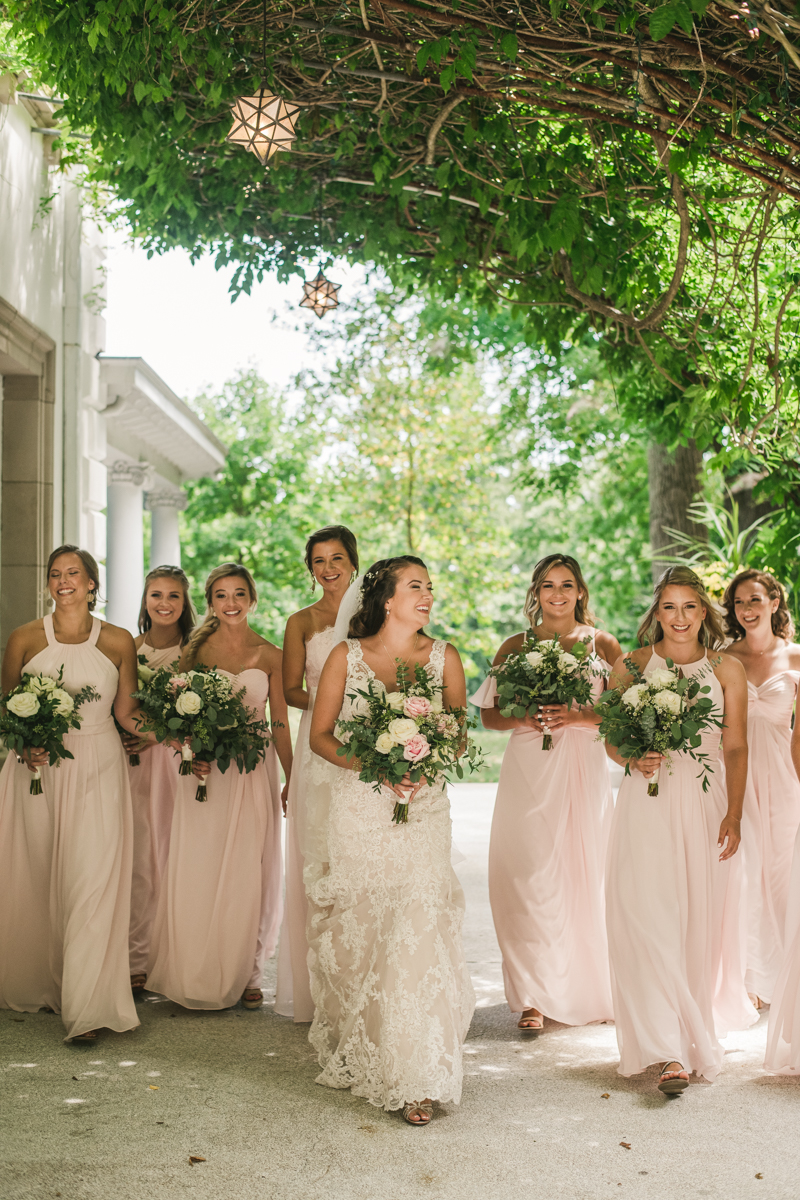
{"x": 310, "y": 776}
{"x": 770, "y": 822}
{"x": 153, "y": 786}
{"x": 547, "y": 855}
{"x": 65, "y": 861}
{"x": 674, "y": 913}
{"x": 220, "y": 906}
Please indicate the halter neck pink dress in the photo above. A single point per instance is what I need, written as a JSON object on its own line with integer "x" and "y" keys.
{"x": 547, "y": 855}
{"x": 770, "y": 822}
{"x": 153, "y": 786}
{"x": 65, "y": 861}
{"x": 675, "y": 928}
{"x": 310, "y": 776}
{"x": 220, "y": 907}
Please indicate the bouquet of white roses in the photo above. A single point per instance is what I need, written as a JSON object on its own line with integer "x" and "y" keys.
{"x": 406, "y": 732}
{"x": 542, "y": 672}
{"x": 663, "y": 711}
{"x": 200, "y": 710}
{"x": 37, "y": 713}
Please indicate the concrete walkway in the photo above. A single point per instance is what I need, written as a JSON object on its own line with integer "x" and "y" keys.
{"x": 121, "y": 1119}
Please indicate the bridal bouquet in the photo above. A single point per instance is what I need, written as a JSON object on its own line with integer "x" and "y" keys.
{"x": 200, "y": 710}
{"x": 663, "y": 711}
{"x": 37, "y": 713}
{"x": 542, "y": 672}
{"x": 406, "y": 732}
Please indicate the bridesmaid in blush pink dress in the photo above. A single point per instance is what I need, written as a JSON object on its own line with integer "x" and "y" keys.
{"x": 762, "y": 631}
{"x": 783, "y": 1037}
{"x": 551, "y": 823}
{"x": 219, "y": 909}
{"x": 673, "y": 882}
{"x": 166, "y": 619}
{"x": 65, "y": 855}
{"x": 332, "y": 558}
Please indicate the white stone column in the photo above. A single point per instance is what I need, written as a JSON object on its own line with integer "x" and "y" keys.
{"x": 125, "y": 551}
{"x": 165, "y": 541}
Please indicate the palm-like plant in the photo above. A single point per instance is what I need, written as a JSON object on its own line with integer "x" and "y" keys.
{"x": 728, "y": 548}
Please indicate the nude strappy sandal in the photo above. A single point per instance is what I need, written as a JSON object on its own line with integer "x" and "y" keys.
{"x": 675, "y": 1085}
{"x": 425, "y": 1108}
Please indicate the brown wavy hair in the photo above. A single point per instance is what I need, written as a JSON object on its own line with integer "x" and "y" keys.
{"x": 711, "y": 633}
{"x": 380, "y": 584}
{"x": 89, "y": 564}
{"x": 782, "y": 623}
{"x": 188, "y": 617}
{"x": 210, "y": 622}
{"x": 330, "y": 533}
{"x": 532, "y": 609}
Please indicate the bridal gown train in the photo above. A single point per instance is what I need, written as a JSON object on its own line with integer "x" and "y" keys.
{"x": 306, "y": 808}
{"x": 153, "y": 786}
{"x": 547, "y": 855}
{"x": 220, "y": 908}
{"x": 388, "y": 976}
{"x": 770, "y": 823}
{"x": 65, "y": 861}
{"x": 674, "y": 912}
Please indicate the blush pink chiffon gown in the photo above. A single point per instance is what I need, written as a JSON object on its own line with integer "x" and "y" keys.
{"x": 309, "y": 792}
{"x": 770, "y": 822}
{"x": 675, "y": 920}
{"x": 153, "y": 786}
{"x": 547, "y": 855}
{"x": 783, "y": 1036}
{"x": 220, "y": 905}
{"x": 65, "y": 861}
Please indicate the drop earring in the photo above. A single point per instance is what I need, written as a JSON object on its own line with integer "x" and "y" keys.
{"x": 313, "y": 583}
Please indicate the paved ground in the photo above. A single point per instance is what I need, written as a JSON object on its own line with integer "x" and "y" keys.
{"x": 121, "y": 1119}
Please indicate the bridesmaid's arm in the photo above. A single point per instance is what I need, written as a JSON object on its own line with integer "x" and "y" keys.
{"x": 14, "y": 658}
{"x": 731, "y": 675}
{"x": 294, "y": 663}
{"x": 118, "y": 645}
{"x": 327, "y": 706}
{"x": 492, "y": 718}
{"x": 279, "y": 718}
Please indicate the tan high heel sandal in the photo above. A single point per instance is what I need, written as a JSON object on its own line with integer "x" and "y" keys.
{"x": 424, "y": 1108}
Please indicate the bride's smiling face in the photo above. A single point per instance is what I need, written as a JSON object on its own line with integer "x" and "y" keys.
{"x": 413, "y": 597}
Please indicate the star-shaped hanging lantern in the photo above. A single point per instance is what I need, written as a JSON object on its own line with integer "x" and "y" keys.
{"x": 320, "y": 294}
{"x": 263, "y": 124}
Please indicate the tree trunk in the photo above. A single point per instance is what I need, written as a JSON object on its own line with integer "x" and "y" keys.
{"x": 674, "y": 484}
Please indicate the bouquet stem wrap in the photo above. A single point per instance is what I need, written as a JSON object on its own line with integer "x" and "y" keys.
{"x": 652, "y": 787}
{"x": 400, "y": 814}
{"x": 201, "y": 794}
{"x": 134, "y": 760}
{"x": 36, "y": 783}
{"x": 186, "y": 759}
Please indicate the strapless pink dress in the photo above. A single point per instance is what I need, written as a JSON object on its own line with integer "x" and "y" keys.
{"x": 293, "y": 991}
{"x": 65, "y": 861}
{"x": 153, "y": 786}
{"x": 220, "y": 906}
{"x": 770, "y": 822}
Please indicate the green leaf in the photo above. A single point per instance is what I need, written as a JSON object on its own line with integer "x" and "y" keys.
{"x": 662, "y": 21}
{"x": 509, "y": 45}
{"x": 140, "y": 90}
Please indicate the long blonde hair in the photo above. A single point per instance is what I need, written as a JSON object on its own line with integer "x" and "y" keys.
{"x": 188, "y": 616}
{"x": 711, "y": 632}
{"x": 532, "y": 609}
{"x": 210, "y": 623}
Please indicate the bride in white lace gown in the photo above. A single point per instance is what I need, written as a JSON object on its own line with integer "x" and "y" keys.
{"x": 393, "y": 998}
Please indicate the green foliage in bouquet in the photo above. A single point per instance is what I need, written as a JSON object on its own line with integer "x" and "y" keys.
{"x": 543, "y": 672}
{"x": 37, "y": 713}
{"x": 406, "y": 732}
{"x": 664, "y": 711}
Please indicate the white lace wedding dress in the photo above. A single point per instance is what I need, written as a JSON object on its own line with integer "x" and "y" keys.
{"x": 393, "y": 997}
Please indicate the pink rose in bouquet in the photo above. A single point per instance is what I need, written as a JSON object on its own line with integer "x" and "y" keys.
{"x": 416, "y": 706}
{"x": 416, "y": 748}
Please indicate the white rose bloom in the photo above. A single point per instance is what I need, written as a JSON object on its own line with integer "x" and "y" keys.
{"x": 64, "y": 702}
{"x": 436, "y": 703}
{"x": 395, "y": 701}
{"x": 669, "y": 702}
{"x": 662, "y": 677}
{"x": 534, "y": 659}
{"x": 360, "y": 707}
{"x": 633, "y": 695}
{"x": 384, "y": 743}
{"x": 401, "y": 729}
{"x": 569, "y": 663}
{"x": 24, "y": 704}
{"x": 188, "y": 704}
{"x": 38, "y": 684}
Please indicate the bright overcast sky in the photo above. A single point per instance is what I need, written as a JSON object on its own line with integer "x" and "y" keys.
{"x": 180, "y": 319}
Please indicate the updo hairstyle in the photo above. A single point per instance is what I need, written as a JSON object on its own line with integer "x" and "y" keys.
{"x": 211, "y": 620}
{"x": 532, "y": 609}
{"x": 332, "y": 533}
{"x": 782, "y": 623}
{"x": 380, "y": 584}
{"x": 711, "y": 633}
{"x": 186, "y": 620}
{"x": 89, "y": 565}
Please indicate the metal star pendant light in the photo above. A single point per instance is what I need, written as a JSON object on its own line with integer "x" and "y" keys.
{"x": 320, "y": 294}
{"x": 263, "y": 123}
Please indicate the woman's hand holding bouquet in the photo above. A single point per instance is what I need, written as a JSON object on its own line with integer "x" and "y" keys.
{"x": 35, "y": 715}
{"x": 200, "y": 712}
{"x": 131, "y": 741}
{"x": 543, "y": 673}
{"x": 659, "y": 713}
{"x": 406, "y": 736}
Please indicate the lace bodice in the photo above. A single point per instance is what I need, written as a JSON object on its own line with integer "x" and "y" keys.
{"x": 702, "y": 669}
{"x": 773, "y": 700}
{"x": 318, "y": 647}
{"x": 360, "y": 674}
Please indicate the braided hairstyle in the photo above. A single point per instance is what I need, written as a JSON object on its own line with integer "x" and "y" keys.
{"x": 380, "y": 583}
{"x": 211, "y": 622}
